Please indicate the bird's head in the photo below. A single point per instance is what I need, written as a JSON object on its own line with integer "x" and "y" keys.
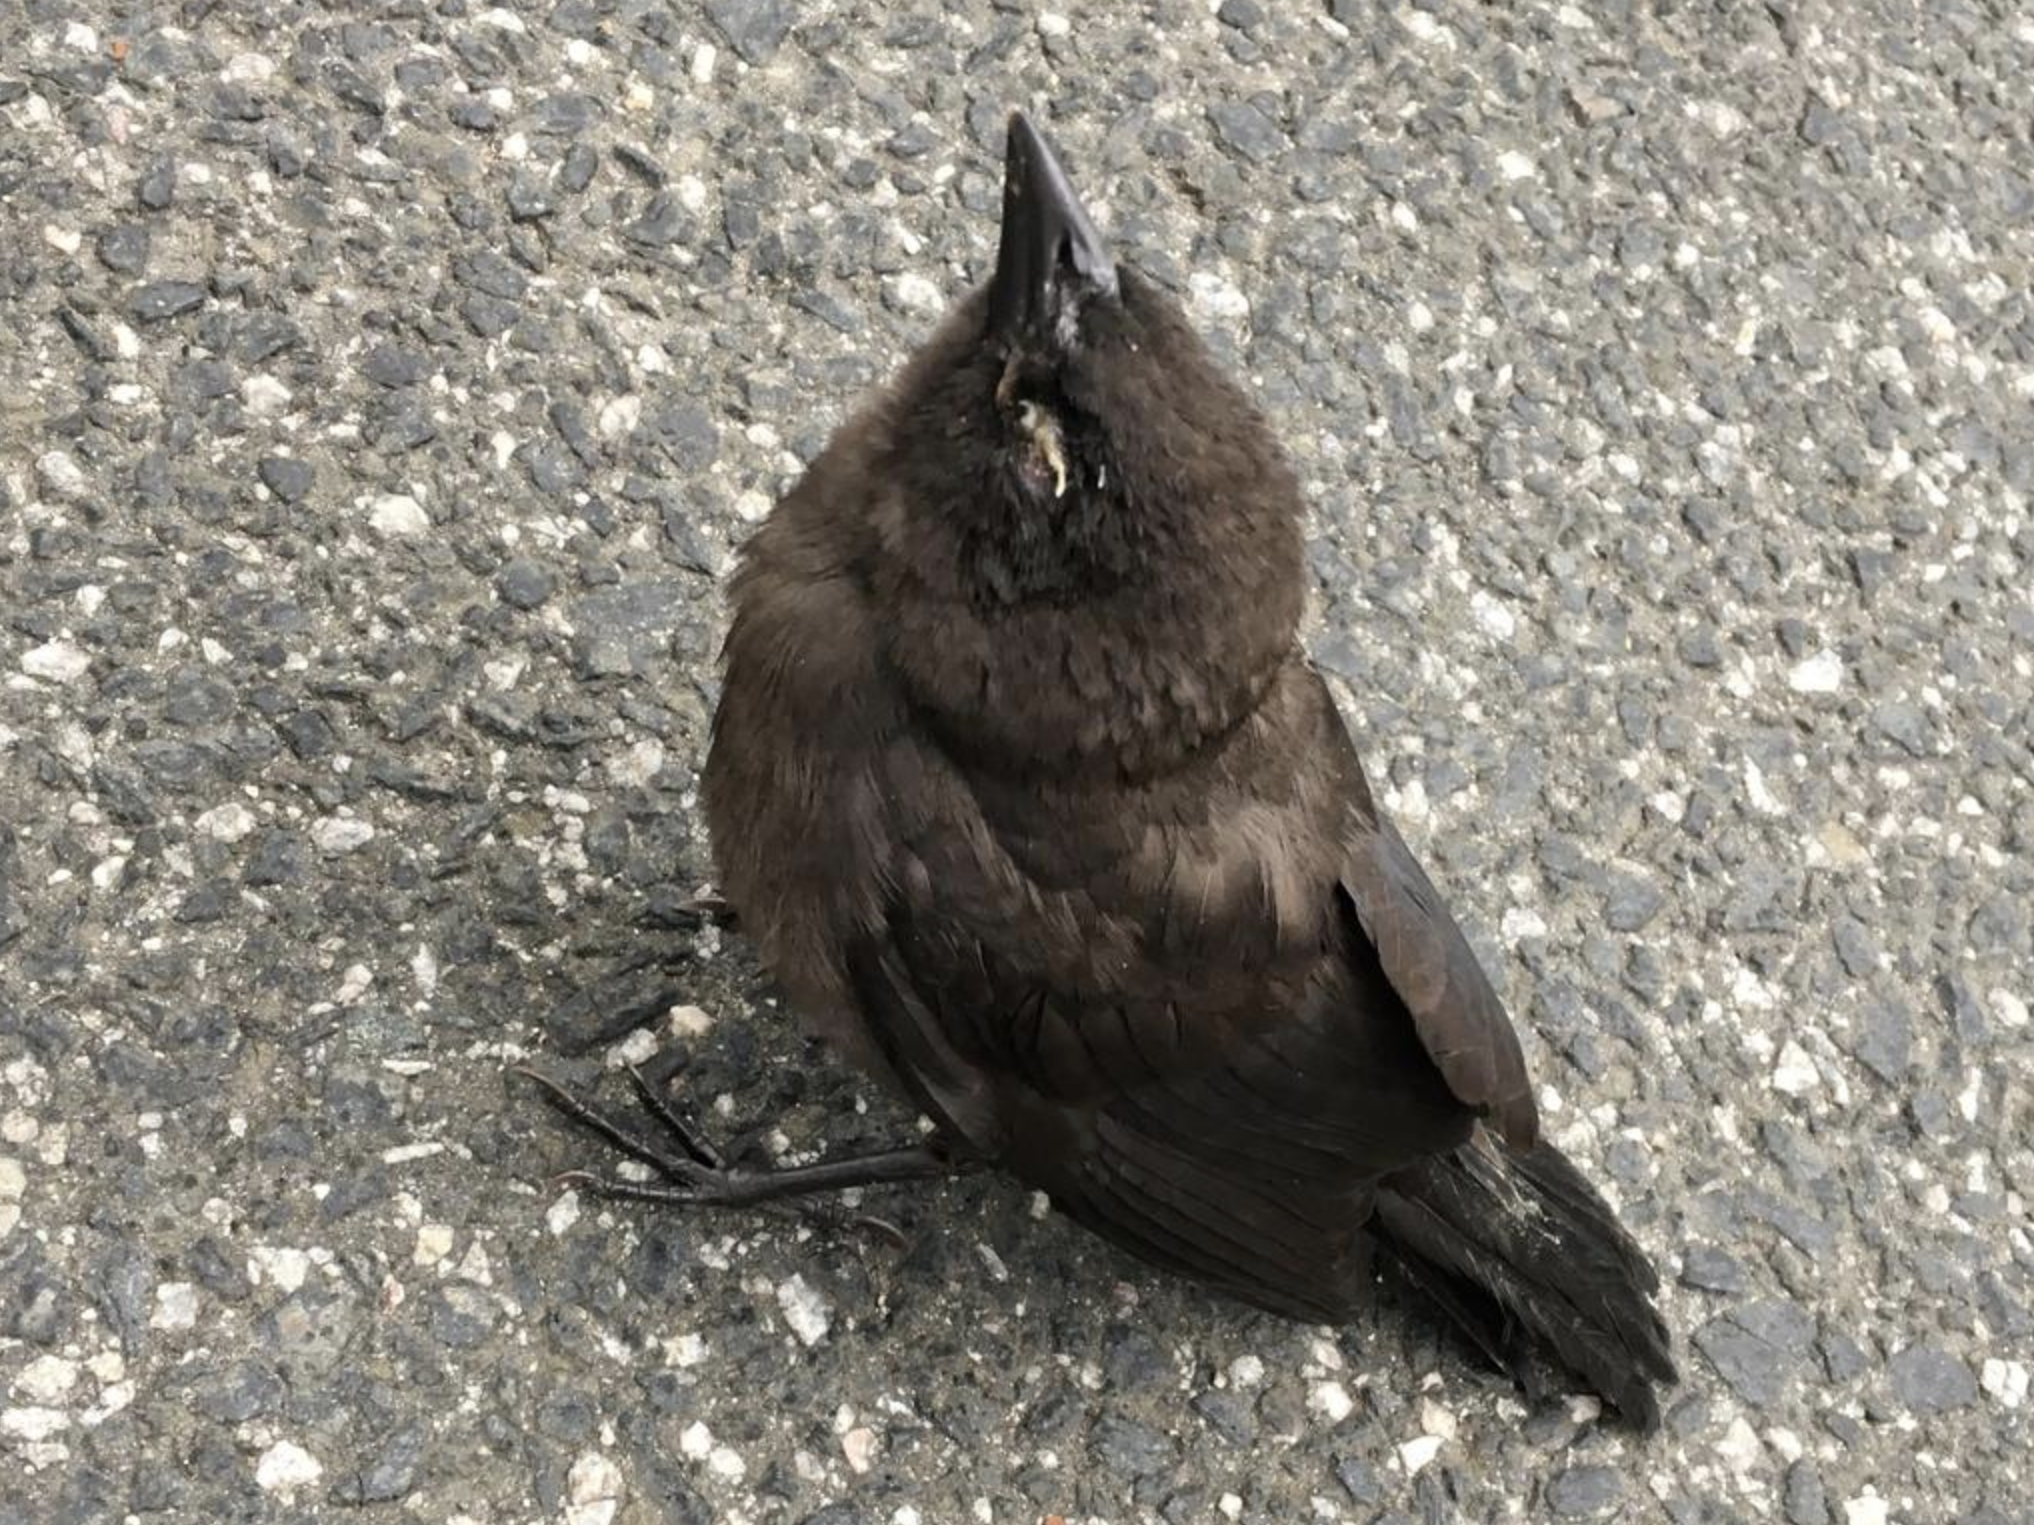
{"x": 1068, "y": 428}
{"x": 1086, "y": 540}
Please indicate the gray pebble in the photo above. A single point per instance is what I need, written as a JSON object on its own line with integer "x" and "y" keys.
{"x": 1930, "y": 1381}
{"x": 161, "y": 300}
{"x": 525, "y": 584}
{"x": 287, "y": 477}
{"x": 1583, "y": 1493}
{"x": 755, "y": 29}
{"x": 123, "y": 248}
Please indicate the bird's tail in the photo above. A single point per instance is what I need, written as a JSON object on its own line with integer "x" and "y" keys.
{"x": 1521, "y": 1251}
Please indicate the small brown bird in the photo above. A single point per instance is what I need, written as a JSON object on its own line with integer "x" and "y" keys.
{"x": 1024, "y": 787}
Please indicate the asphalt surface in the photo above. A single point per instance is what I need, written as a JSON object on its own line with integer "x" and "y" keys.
{"x": 383, "y": 398}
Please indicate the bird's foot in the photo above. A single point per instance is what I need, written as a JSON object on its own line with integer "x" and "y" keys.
{"x": 696, "y": 1174}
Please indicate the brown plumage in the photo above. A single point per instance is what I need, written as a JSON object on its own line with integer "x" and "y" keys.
{"x": 1031, "y": 800}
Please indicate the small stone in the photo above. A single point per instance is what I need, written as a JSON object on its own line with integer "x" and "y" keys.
{"x": 805, "y": 1309}
{"x": 1804, "y": 1499}
{"x": 1929, "y": 1380}
{"x": 1712, "y": 1270}
{"x": 1795, "y": 1073}
{"x": 159, "y": 301}
{"x": 525, "y": 584}
{"x": 1130, "y": 1449}
{"x": 158, "y": 188}
{"x": 56, "y": 662}
{"x": 1819, "y": 674}
{"x": 1905, "y": 726}
{"x": 389, "y": 366}
{"x": 285, "y": 476}
{"x": 47, "y": 1380}
{"x": 755, "y": 29}
{"x": 1243, "y": 15}
{"x": 399, "y": 514}
{"x": 594, "y": 1490}
{"x": 1758, "y": 1348}
{"x": 61, "y": 476}
{"x": 342, "y": 834}
{"x": 1248, "y": 131}
{"x": 176, "y": 1306}
{"x": 1331, "y": 1401}
{"x": 1883, "y": 1039}
{"x": 285, "y": 1467}
{"x": 1582, "y": 1493}
{"x": 393, "y": 1472}
{"x": 123, "y": 248}
{"x": 1592, "y": 108}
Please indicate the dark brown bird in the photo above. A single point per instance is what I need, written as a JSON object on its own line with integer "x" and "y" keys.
{"x": 1027, "y": 792}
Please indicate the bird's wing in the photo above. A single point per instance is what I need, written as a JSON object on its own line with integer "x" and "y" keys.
{"x": 1459, "y": 1019}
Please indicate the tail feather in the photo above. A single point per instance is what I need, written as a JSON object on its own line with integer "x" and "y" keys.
{"x": 1519, "y": 1249}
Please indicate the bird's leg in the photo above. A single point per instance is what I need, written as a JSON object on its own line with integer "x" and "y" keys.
{"x": 697, "y": 1175}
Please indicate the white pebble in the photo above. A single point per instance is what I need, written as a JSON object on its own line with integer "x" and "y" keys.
{"x": 46, "y": 1379}
{"x": 2006, "y": 1381}
{"x": 637, "y": 1048}
{"x": 1052, "y": 24}
{"x": 696, "y": 1443}
{"x": 1514, "y": 165}
{"x": 1497, "y": 621}
{"x": 1331, "y": 1401}
{"x": 915, "y": 293}
{"x": 61, "y": 476}
{"x": 1795, "y": 1074}
{"x": 34, "y": 1424}
{"x": 563, "y": 1213}
{"x": 342, "y": 833}
{"x": 704, "y": 57}
{"x": 13, "y": 1180}
{"x": 1246, "y": 1371}
{"x": 1415, "y": 1454}
{"x": 285, "y": 1269}
{"x": 1213, "y": 297}
{"x": 265, "y": 396}
{"x": 1868, "y": 1509}
{"x": 176, "y": 1306}
{"x": 593, "y": 1490}
{"x": 858, "y": 1445}
{"x": 434, "y": 1243}
{"x": 249, "y": 69}
{"x": 424, "y": 966}
{"x": 56, "y": 662}
{"x": 227, "y": 823}
{"x": 1819, "y": 674}
{"x": 689, "y": 1022}
{"x": 286, "y": 1466}
{"x": 805, "y": 1310}
{"x": 620, "y": 415}
{"x": 398, "y": 513}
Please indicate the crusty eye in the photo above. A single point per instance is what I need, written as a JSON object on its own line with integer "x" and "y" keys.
{"x": 1042, "y": 428}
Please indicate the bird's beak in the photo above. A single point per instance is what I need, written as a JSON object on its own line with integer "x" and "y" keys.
{"x": 1051, "y": 260}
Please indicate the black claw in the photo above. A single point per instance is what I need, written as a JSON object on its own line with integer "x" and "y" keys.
{"x": 686, "y": 1136}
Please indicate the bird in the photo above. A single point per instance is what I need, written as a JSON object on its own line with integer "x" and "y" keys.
{"x": 1025, "y": 788}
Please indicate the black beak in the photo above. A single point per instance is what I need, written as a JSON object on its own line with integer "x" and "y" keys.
{"x": 1052, "y": 259}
